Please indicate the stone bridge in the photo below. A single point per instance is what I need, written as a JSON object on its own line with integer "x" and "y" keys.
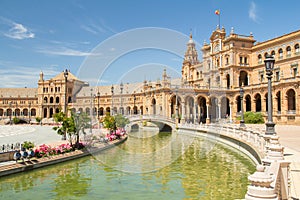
{"x": 164, "y": 124}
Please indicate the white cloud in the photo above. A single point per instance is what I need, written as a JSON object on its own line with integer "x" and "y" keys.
{"x": 21, "y": 76}
{"x": 253, "y": 12}
{"x": 17, "y": 31}
{"x": 66, "y": 52}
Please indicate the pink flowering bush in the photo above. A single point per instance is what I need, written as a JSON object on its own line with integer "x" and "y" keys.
{"x": 46, "y": 150}
{"x": 115, "y": 135}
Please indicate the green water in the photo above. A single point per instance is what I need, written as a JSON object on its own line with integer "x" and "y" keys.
{"x": 146, "y": 166}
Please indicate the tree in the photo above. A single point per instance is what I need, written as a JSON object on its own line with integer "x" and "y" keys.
{"x": 81, "y": 122}
{"x": 121, "y": 121}
{"x": 109, "y": 122}
{"x": 67, "y": 125}
{"x": 71, "y": 126}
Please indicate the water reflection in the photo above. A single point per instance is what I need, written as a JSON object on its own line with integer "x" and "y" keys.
{"x": 193, "y": 173}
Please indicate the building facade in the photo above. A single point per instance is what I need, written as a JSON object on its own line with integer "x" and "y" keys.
{"x": 208, "y": 91}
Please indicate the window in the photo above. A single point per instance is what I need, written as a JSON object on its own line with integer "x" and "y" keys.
{"x": 227, "y": 60}
{"x": 259, "y": 59}
{"x": 297, "y": 49}
{"x": 245, "y": 60}
{"x": 277, "y": 76}
{"x": 273, "y": 54}
{"x": 295, "y": 72}
{"x": 288, "y": 52}
{"x": 241, "y": 59}
{"x": 261, "y": 78}
{"x": 280, "y": 51}
{"x": 266, "y": 54}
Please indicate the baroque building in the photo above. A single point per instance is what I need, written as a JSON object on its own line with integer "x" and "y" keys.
{"x": 208, "y": 91}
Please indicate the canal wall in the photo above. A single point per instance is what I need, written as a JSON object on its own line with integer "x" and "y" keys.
{"x": 46, "y": 161}
{"x": 219, "y": 136}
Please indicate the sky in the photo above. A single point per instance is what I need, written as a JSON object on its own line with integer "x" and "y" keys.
{"x": 108, "y": 42}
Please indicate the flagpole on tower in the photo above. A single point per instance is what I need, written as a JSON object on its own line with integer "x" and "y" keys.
{"x": 217, "y": 12}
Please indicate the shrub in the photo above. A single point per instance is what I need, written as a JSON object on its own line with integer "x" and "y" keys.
{"x": 252, "y": 118}
{"x": 16, "y": 120}
{"x": 28, "y": 145}
{"x": 38, "y": 119}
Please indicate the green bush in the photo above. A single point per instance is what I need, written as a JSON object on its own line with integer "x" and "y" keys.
{"x": 252, "y": 118}
{"x": 38, "y": 119}
{"x": 16, "y": 120}
{"x": 28, "y": 145}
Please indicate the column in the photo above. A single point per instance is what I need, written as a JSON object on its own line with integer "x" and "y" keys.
{"x": 195, "y": 113}
{"x": 207, "y": 111}
{"x": 219, "y": 105}
{"x": 183, "y": 112}
{"x": 230, "y": 112}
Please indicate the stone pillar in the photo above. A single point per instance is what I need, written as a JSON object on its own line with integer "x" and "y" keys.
{"x": 230, "y": 112}
{"x": 274, "y": 149}
{"x": 219, "y": 105}
{"x": 183, "y": 112}
{"x": 207, "y": 111}
{"x": 260, "y": 187}
{"x": 195, "y": 112}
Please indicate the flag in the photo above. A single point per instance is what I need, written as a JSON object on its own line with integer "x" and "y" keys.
{"x": 217, "y": 12}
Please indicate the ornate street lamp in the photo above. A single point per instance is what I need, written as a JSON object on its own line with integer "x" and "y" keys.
{"x": 29, "y": 113}
{"x": 134, "y": 108}
{"x": 242, "y": 122}
{"x": 98, "y": 98}
{"x": 66, "y": 73}
{"x": 10, "y": 122}
{"x": 112, "y": 101}
{"x": 269, "y": 64}
{"x": 121, "y": 88}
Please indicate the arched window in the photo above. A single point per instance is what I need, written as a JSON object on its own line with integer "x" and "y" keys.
{"x": 259, "y": 58}
{"x": 266, "y": 54}
{"x": 280, "y": 52}
{"x": 257, "y": 103}
{"x": 297, "y": 49}
{"x": 228, "y": 81}
{"x": 243, "y": 78}
{"x": 248, "y": 103}
{"x": 291, "y": 101}
{"x": 273, "y": 54}
{"x": 278, "y": 100}
{"x": 57, "y": 100}
{"x": 45, "y": 100}
{"x": 51, "y": 99}
{"x": 288, "y": 51}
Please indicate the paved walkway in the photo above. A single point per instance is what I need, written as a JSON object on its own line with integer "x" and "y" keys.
{"x": 289, "y": 137}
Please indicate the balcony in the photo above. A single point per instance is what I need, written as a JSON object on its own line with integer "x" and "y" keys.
{"x": 291, "y": 112}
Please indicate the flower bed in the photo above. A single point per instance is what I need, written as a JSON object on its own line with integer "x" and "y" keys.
{"x": 115, "y": 135}
{"x": 46, "y": 150}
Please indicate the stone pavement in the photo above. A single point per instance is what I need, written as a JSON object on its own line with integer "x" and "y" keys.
{"x": 289, "y": 137}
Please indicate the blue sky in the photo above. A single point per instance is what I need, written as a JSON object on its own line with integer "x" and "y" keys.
{"x": 50, "y": 36}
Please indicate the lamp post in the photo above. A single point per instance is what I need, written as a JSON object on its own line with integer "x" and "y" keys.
{"x": 29, "y": 113}
{"x": 10, "y": 122}
{"x": 91, "y": 111}
{"x": 66, "y": 73}
{"x": 176, "y": 104}
{"x": 112, "y": 101}
{"x": 121, "y": 87}
{"x": 98, "y": 98}
{"x": 134, "y": 109}
{"x": 270, "y": 125}
{"x": 242, "y": 122}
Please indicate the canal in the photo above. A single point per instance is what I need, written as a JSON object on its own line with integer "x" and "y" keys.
{"x": 147, "y": 166}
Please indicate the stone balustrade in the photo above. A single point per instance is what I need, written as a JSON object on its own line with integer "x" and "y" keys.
{"x": 271, "y": 179}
